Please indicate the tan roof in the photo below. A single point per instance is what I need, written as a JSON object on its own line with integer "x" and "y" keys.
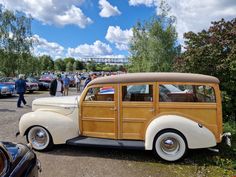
{"x": 152, "y": 77}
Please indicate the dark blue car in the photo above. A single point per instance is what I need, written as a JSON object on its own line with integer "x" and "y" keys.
{"x": 18, "y": 160}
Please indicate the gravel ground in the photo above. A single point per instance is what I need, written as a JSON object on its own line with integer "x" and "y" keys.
{"x": 69, "y": 161}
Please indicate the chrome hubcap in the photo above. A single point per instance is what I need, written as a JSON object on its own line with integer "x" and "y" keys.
{"x": 170, "y": 145}
{"x": 39, "y": 138}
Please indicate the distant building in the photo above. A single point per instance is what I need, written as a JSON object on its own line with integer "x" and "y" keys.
{"x": 106, "y": 60}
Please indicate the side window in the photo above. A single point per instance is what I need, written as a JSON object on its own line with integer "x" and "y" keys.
{"x": 137, "y": 93}
{"x": 105, "y": 93}
{"x": 186, "y": 93}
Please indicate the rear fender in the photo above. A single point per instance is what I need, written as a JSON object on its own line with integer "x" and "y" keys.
{"x": 196, "y": 135}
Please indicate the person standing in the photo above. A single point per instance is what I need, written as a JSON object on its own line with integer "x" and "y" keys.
{"x": 20, "y": 86}
{"x": 90, "y": 78}
{"x": 56, "y": 88}
{"x": 77, "y": 82}
{"x": 66, "y": 82}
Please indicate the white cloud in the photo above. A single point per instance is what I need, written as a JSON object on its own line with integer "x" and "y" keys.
{"x": 120, "y": 38}
{"x": 98, "y": 48}
{"x": 51, "y": 11}
{"x": 42, "y": 47}
{"x": 194, "y": 15}
{"x": 148, "y": 3}
{"x": 107, "y": 10}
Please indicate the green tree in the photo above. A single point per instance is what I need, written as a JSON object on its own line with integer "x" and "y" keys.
{"x": 69, "y": 66}
{"x": 153, "y": 46}
{"x": 91, "y": 66}
{"x": 74, "y": 66}
{"x": 15, "y": 32}
{"x": 46, "y": 63}
{"x": 71, "y": 60}
{"x": 59, "y": 65}
{"x": 213, "y": 52}
{"x": 80, "y": 65}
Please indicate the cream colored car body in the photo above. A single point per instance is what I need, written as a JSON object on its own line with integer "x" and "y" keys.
{"x": 59, "y": 115}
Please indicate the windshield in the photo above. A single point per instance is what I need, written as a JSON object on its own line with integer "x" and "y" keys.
{"x": 31, "y": 80}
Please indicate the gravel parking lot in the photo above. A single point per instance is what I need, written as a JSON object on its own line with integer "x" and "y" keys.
{"x": 68, "y": 161}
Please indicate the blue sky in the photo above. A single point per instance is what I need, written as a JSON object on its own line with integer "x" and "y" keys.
{"x": 88, "y": 28}
{"x": 72, "y": 35}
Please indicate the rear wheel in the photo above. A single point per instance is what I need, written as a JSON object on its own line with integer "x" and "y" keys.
{"x": 170, "y": 145}
{"x": 39, "y": 138}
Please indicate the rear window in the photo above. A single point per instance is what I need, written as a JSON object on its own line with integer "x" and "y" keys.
{"x": 186, "y": 93}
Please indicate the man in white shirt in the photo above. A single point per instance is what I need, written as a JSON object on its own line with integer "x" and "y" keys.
{"x": 56, "y": 88}
{"x": 77, "y": 81}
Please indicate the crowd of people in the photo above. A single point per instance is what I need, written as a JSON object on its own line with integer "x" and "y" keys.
{"x": 58, "y": 87}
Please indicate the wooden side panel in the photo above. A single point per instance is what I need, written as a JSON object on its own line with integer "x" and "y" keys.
{"x": 135, "y": 116}
{"x": 99, "y": 119}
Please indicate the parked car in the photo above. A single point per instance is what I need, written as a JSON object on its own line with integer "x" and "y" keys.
{"x": 84, "y": 76}
{"x": 17, "y": 160}
{"x": 110, "y": 113}
{"x": 8, "y": 80}
{"x": 7, "y": 88}
{"x": 31, "y": 87}
{"x": 46, "y": 78}
{"x": 41, "y": 85}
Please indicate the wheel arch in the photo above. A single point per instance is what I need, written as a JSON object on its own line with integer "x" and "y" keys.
{"x": 28, "y": 129}
{"x": 60, "y": 127}
{"x": 170, "y": 130}
{"x": 196, "y": 136}
{"x": 50, "y": 142}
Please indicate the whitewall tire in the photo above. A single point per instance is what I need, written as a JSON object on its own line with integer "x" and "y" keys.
{"x": 170, "y": 146}
{"x": 39, "y": 138}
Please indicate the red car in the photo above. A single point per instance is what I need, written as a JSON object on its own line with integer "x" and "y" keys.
{"x": 46, "y": 78}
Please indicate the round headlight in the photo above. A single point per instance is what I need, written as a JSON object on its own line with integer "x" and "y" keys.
{"x": 3, "y": 163}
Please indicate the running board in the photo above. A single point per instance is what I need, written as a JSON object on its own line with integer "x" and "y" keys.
{"x": 101, "y": 142}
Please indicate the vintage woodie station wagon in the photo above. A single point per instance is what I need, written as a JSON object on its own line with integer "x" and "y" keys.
{"x": 164, "y": 112}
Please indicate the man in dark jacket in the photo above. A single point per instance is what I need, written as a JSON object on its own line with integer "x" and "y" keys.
{"x": 56, "y": 88}
{"x": 20, "y": 86}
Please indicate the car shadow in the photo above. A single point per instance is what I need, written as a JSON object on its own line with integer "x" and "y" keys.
{"x": 8, "y": 97}
{"x": 200, "y": 157}
{"x": 7, "y": 110}
{"x": 127, "y": 154}
{"x": 104, "y": 152}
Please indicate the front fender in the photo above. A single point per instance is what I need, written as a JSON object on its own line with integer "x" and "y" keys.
{"x": 196, "y": 136}
{"x": 59, "y": 126}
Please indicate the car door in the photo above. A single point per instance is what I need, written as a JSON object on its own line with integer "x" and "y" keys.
{"x": 99, "y": 112}
{"x": 137, "y": 108}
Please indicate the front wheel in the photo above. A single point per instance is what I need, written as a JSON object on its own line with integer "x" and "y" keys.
{"x": 170, "y": 146}
{"x": 39, "y": 138}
